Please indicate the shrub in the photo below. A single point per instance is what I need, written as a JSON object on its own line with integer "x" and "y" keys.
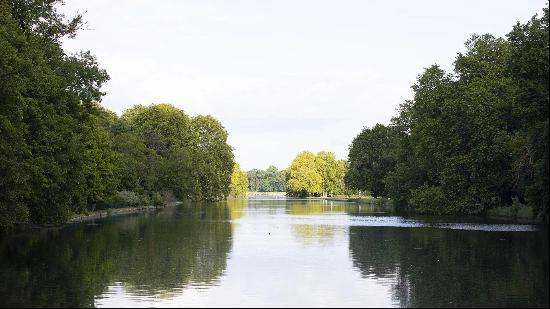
{"x": 156, "y": 199}
{"x": 127, "y": 198}
{"x": 429, "y": 199}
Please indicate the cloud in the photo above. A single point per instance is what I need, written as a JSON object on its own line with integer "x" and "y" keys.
{"x": 281, "y": 76}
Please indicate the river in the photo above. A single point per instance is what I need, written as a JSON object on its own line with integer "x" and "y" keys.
{"x": 277, "y": 253}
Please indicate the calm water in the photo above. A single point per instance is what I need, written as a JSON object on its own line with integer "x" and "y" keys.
{"x": 276, "y": 253}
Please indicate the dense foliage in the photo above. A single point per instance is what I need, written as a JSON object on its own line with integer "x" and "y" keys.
{"x": 370, "y": 159}
{"x": 239, "y": 182}
{"x": 161, "y": 149}
{"x": 61, "y": 152}
{"x": 54, "y": 157}
{"x": 270, "y": 180}
{"x": 470, "y": 140}
{"x": 315, "y": 175}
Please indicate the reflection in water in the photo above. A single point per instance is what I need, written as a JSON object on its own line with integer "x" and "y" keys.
{"x": 433, "y": 267}
{"x": 314, "y": 234}
{"x": 313, "y": 207}
{"x": 310, "y": 253}
{"x": 237, "y": 208}
{"x": 151, "y": 254}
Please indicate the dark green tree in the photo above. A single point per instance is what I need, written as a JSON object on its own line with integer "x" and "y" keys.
{"x": 470, "y": 140}
{"x": 212, "y": 158}
{"x": 50, "y": 141}
{"x": 528, "y": 69}
{"x": 370, "y": 158}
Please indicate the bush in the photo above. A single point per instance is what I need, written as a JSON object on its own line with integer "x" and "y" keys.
{"x": 517, "y": 210}
{"x": 127, "y": 198}
{"x": 429, "y": 200}
{"x": 156, "y": 199}
{"x": 525, "y": 212}
{"x": 168, "y": 197}
{"x": 508, "y": 212}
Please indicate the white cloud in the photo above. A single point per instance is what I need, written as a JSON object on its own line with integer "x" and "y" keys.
{"x": 281, "y": 76}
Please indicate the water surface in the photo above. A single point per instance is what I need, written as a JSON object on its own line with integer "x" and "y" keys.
{"x": 277, "y": 252}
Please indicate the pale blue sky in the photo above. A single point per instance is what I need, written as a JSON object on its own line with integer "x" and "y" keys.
{"x": 281, "y": 76}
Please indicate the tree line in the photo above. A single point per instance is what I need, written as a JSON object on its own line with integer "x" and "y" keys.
{"x": 470, "y": 140}
{"x": 61, "y": 152}
{"x": 269, "y": 180}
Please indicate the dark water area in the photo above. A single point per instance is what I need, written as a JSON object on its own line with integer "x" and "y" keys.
{"x": 276, "y": 252}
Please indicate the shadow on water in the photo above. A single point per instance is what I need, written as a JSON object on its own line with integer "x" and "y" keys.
{"x": 437, "y": 267}
{"x": 153, "y": 254}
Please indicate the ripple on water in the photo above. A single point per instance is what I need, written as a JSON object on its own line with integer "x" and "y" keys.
{"x": 395, "y": 221}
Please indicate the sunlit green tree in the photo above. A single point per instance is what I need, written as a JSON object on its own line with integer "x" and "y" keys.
{"x": 303, "y": 177}
{"x": 239, "y": 182}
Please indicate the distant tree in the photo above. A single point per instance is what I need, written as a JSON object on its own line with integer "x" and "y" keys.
{"x": 239, "y": 182}
{"x": 332, "y": 172}
{"x": 254, "y": 180}
{"x": 303, "y": 178}
{"x": 269, "y": 180}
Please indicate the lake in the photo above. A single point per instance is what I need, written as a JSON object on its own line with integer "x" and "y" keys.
{"x": 278, "y": 253}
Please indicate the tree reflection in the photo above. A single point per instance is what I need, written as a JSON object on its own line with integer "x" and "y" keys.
{"x": 314, "y": 207}
{"x": 157, "y": 254}
{"x": 237, "y": 207}
{"x": 448, "y": 268}
{"x": 314, "y": 234}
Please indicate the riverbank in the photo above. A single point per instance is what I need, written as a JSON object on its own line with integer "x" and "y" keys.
{"x": 100, "y": 214}
{"x": 359, "y": 200}
{"x": 510, "y": 214}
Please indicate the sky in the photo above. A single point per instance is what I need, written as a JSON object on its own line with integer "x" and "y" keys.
{"x": 281, "y": 76}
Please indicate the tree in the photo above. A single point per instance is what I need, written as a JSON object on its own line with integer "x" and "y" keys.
{"x": 46, "y": 98}
{"x": 273, "y": 180}
{"x": 239, "y": 182}
{"x": 138, "y": 167}
{"x": 303, "y": 178}
{"x": 269, "y": 180}
{"x": 370, "y": 159}
{"x": 528, "y": 68}
{"x": 332, "y": 172}
{"x": 161, "y": 149}
{"x": 212, "y": 157}
{"x": 254, "y": 180}
{"x": 98, "y": 175}
{"x": 470, "y": 140}
{"x": 161, "y": 126}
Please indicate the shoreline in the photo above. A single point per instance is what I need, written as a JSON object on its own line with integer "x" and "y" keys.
{"x": 101, "y": 214}
{"x": 497, "y": 214}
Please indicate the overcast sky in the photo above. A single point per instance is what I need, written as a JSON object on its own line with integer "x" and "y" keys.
{"x": 281, "y": 76}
